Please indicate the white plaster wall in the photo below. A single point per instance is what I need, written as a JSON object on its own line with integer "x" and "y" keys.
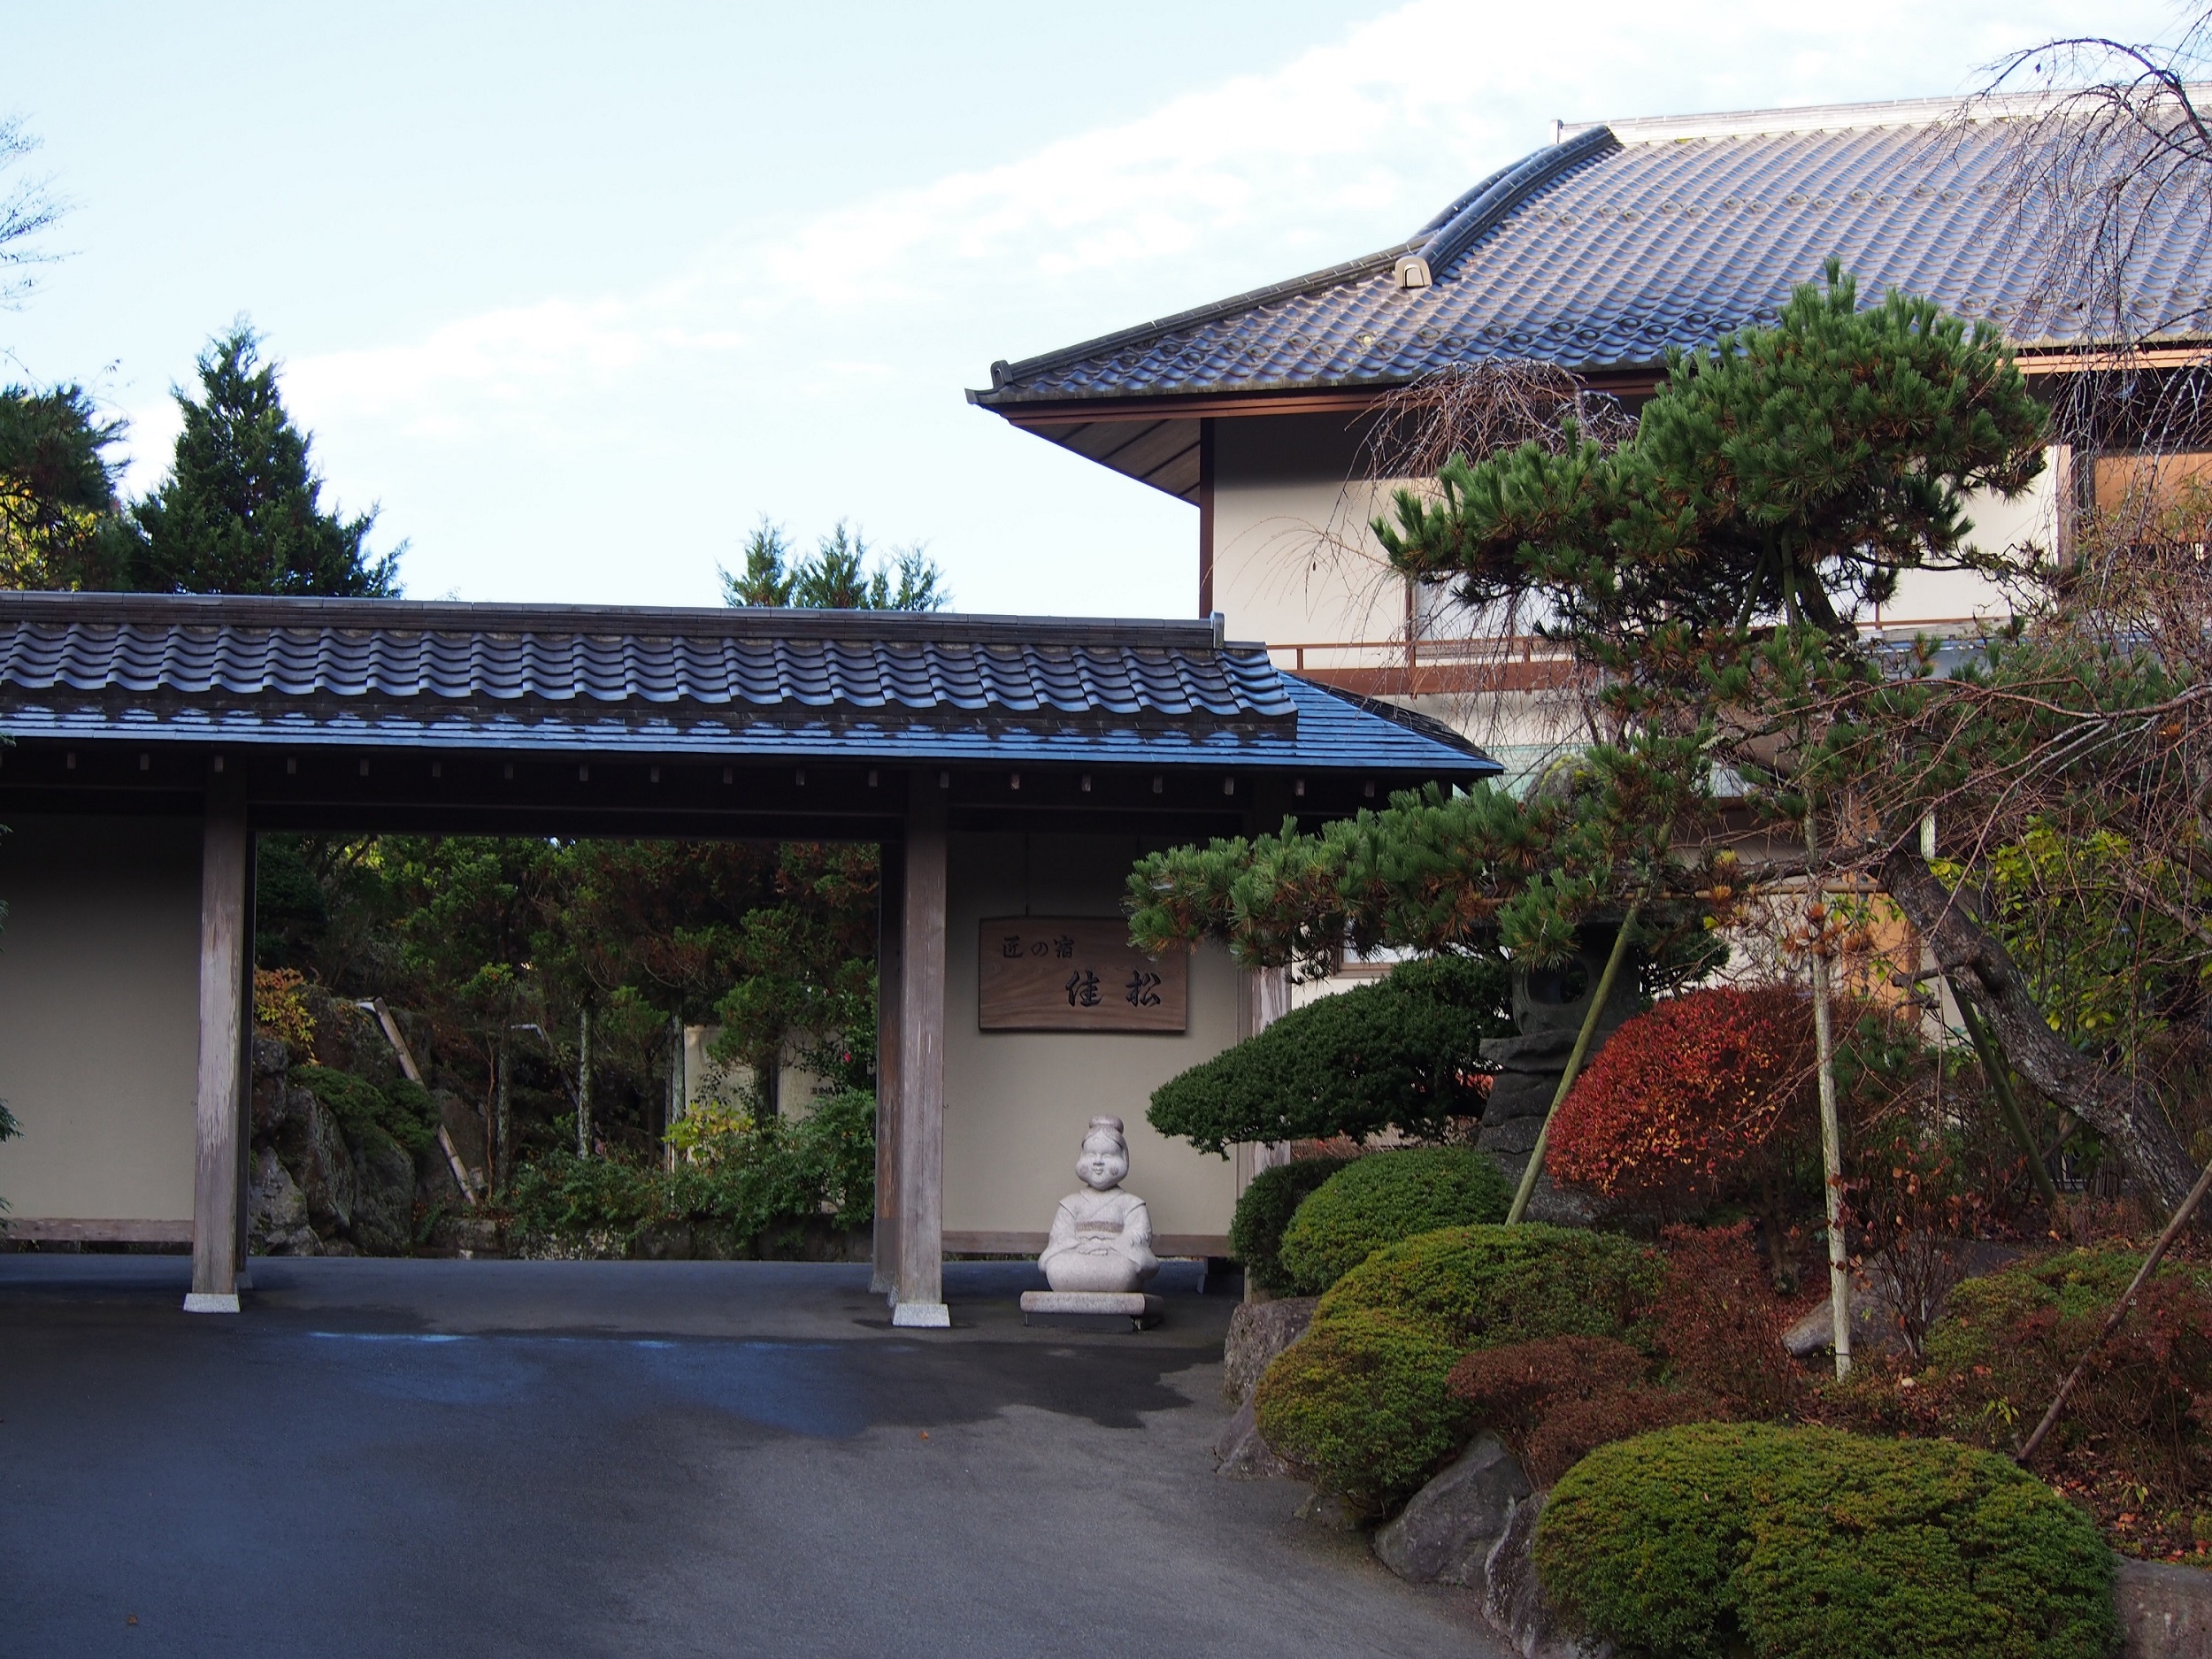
{"x": 1015, "y": 1102}
{"x": 1294, "y": 560}
{"x": 99, "y": 1004}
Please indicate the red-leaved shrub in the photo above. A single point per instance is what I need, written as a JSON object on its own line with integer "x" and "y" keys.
{"x": 1578, "y": 1427}
{"x": 1720, "y": 1323}
{"x": 1554, "y": 1401}
{"x": 1510, "y": 1390}
{"x": 1701, "y": 1097}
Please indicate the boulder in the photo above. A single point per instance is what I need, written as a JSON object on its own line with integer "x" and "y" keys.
{"x": 1329, "y": 1512}
{"x": 1258, "y": 1331}
{"x": 384, "y": 1196}
{"x": 1874, "y": 1325}
{"x": 466, "y": 1128}
{"x": 468, "y": 1237}
{"x": 1240, "y": 1453}
{"x": 1514, "y": 1602}
{"x": 276, "y": 1210}
{"x": 1445, "y": 1534}
{"x": 271, "y": 1060}
{"x": 2164, "y": 1610}
{"x": 315, "y": 1153}
{"x": 434, "y": 1185}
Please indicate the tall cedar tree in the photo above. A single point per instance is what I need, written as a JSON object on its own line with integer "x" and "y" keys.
{"x": 240, "y": 511}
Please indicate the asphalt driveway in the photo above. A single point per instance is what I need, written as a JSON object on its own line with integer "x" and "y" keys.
{"x": 651, "y": 1458}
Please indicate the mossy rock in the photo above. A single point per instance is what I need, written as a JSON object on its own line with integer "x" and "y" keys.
{"x": 1386, "y": 1199}
{"x": 1716, "y": 1539}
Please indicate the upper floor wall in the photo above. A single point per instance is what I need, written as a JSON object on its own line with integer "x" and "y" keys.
{"x": 1287, "y": 532}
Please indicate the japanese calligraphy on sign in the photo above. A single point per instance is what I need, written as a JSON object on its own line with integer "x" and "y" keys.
{"x": 1076, "y": 973}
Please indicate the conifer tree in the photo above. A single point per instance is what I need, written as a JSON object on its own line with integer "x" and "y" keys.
{"x": 240, "y": 511}
{"x": 834, "y": 577}
{"x": 59, "y": 519}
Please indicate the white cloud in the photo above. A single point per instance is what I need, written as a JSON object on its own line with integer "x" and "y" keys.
{"x": 899, "y": 298}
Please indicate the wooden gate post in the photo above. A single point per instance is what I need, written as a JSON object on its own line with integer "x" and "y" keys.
{"x": 220, "y": 1112}
{"x": 920, "y": 1290}
{"x": 890, "y": 991}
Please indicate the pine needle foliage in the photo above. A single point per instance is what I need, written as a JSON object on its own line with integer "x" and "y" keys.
{"x": 1791, "y": 471}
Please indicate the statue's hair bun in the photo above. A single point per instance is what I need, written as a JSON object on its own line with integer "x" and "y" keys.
{"x": 1109, "y": 1127}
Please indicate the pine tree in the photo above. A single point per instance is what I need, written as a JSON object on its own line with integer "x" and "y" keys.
{"x": 59, "y": 523}
{"x": 241, "y": 510}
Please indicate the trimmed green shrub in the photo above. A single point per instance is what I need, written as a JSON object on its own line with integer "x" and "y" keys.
{"x": 1265, "y": 1208}
{"x": 1482, "y": 1286}
{"x": 1402, "y": 1052}
{"x": 1713, "y": 1540}
{"x": 1360, "y": 1405}
{"x": 1386, "y": 1199}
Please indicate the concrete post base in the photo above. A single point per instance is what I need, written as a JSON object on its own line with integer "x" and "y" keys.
{"x": 926, "y": 1316}
{"x": 210, "y": 1302}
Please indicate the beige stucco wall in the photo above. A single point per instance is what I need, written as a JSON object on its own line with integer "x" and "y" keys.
{"x": 1294, "y": 560}
{"x": 99, "y": 998}
{"x": 1015, "y": 1102}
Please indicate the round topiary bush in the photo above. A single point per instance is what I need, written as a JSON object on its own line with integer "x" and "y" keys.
{"x": 1481, "y": 1286}
{"x": 1361, "y": 1407}
{"x": 1403, "y": 1053}
{"x": 1386, "y": 1199}
{"x": 1360, "y": 1404}
{"x": 1255, "y": 1230}
{"x": 1713, "y": 1540}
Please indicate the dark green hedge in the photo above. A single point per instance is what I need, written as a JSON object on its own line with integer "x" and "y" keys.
{"x": 1402, "y": 1053}
{"x": 1716, "y": 1540}
{"x": 1387, "y": 1199}
{"x": 1360, "y": 1402}
{"x": 781, "y": 1170}
{"x": 1265, "y": 1208}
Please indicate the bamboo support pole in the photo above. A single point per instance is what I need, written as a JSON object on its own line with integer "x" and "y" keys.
{"x": 1580, "y": 1052}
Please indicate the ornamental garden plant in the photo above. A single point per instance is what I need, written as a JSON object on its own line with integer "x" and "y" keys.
{"x": 1705, "y": 1098}
{"x": 1709, "y": 1540}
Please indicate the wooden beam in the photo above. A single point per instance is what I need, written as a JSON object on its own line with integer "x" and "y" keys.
{"x": 920, "y": 1292}
{"x": 890, "y": 989}
{"x": 95, "y": 1230}
{"x": 220, "y": 1110}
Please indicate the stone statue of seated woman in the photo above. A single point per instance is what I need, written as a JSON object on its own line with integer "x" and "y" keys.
{"x": 1102, "y": 1236}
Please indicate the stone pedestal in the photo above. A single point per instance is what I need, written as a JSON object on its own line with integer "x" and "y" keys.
{"x": 1092, "y": 1310}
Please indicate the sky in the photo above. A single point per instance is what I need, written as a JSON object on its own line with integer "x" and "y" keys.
{"x": 574, "y": 295}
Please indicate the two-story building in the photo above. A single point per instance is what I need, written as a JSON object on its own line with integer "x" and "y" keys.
{"x": 1593, "y": 255}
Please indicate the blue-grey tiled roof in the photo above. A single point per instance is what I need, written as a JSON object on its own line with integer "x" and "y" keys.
{"x": 855, "y": 684}
{"x": 1600, "y": 253}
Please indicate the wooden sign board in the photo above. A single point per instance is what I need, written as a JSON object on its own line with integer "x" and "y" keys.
{"x": 1076, "y": 973}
